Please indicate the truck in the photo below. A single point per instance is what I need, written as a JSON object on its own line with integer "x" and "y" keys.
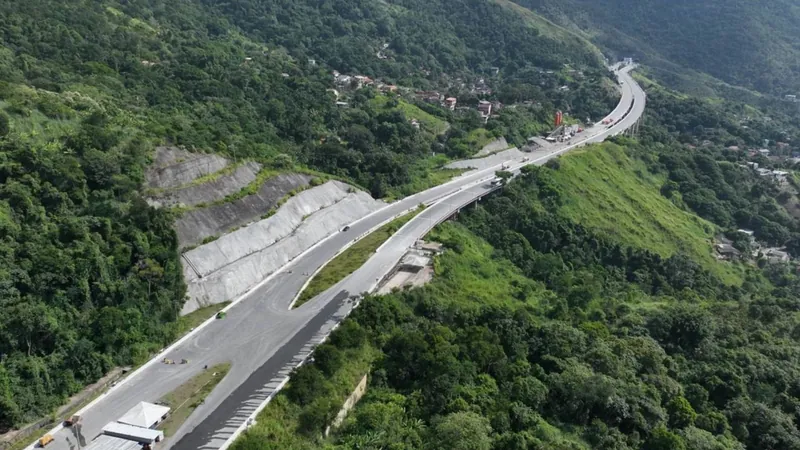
{"x": 72, "y": 420}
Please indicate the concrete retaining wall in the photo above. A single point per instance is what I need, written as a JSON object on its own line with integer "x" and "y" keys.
{"x": 194, "y": 226}
{"x": 175, "y": 167}
{"x": 238, "y": 261}
{"x": 211, "y": 191}
{"x": 494, "y": 146}
{"x": 489, "y": 161}
{"x": 350, "y": 403}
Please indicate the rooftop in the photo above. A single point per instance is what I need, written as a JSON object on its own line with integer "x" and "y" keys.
{"x": 727, "y": 249}
{"x": 104, "y": 442}
{"x": 144, "y": 415}
{"x": 133, "y": 433}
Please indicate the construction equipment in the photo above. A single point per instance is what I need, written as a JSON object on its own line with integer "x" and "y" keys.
{"x": 44, "y": 440}
{"x": 73, "y": 420}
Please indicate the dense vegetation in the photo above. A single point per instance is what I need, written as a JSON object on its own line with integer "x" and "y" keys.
{"x": 582, "y": 308}
{"x": 549, "y": 334}
{"x": 690, "y": 148}
{"x": 89, "y": 273}
{"x": 742, "y": 43}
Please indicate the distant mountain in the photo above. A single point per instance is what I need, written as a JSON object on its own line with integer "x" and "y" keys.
{"x": 746, "y": 43}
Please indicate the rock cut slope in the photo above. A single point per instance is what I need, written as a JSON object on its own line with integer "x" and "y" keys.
{"x": 231, "y": 265}
{"x": 246, "y": 247}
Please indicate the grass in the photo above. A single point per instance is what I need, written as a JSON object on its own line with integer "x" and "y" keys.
{"x": 430, "y": 122}
{"x": 551, "y": 30}
{"x": 425, "y": 174}
{"x": 478, "y": 138}
{"x": 195, "y": 318}
{"x": 469, "y": 275}
{"x": 431, "y": 179}
{"x": 277, "y": 425}
{"x": 188, "y": 396}
{"x": 606, "y": 190}
{"x": 351, "y": 259}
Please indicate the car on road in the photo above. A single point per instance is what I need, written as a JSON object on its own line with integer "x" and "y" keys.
{"x": 346, "y": 228}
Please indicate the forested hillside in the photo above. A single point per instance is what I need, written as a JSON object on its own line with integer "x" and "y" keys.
{"x": 542, "y": 333}
{"x": 89, "y": 273}
{"x": 582, "y": 307}
{"x": 752, "y": 44}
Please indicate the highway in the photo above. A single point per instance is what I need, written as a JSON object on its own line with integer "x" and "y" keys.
{"x": 264, "y": 339}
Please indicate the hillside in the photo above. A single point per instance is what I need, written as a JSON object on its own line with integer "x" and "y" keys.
{"x": 538, "y": 331}
{"x": 748, "y": 44}
{"x": 89, "y": 273}
{"x": 586, "y": 305}
{"x": 604, "y": 189}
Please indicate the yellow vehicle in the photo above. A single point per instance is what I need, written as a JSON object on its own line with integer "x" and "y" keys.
{"x": 168, "y": 361}
{"x": 44, "y": 440}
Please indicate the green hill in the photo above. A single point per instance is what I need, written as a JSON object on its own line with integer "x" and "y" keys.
{"x": 603, "y": 188}
{"x": 89, "y": 274}
{"x": 751, "y": 44}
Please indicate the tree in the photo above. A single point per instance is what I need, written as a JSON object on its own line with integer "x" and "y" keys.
{"x": 462, "y": 431}
{"x": 360, "y": 138}
{"x": 328, "y": 358}
{"x": 5, "y": 126}
{"x": 681, "y": 413}
{"x": 663, "y": 439}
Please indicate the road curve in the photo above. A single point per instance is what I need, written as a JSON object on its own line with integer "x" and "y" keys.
{"x": 264, "y": 340}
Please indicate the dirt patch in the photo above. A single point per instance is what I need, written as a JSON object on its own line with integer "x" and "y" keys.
{"x": 493, "y": 147}
{"x": 195, "y": 226}
{"x": 174, "y": 167}
{"x": 209, "y": 191}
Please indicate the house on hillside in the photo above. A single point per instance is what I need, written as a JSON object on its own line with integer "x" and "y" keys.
{"x": 485, "y": 108}
{"x": 775, "y": 255}
{"x": 429, "y": 96}
{"x": 727, "y": 251}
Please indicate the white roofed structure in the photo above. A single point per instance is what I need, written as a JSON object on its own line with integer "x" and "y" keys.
{"x": 133, "y": 433}
{"x": 145, "y": 415}
{"x": 104, "y": 442}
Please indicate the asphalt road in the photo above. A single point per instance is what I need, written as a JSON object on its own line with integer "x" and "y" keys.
{"x": 264, "y": 340}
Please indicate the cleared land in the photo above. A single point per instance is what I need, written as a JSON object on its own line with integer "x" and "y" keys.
{"x": 430, "y": 122}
